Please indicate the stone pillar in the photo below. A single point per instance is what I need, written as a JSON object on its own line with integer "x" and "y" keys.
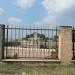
{"x": 2, "y": 35}
{"x": 65, "y": 53}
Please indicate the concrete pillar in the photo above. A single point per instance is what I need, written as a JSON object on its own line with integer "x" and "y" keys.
{"x": 2, "y": 35}
{"x": 65, "y": 52}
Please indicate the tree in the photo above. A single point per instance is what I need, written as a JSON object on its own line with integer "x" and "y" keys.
{"x": 38, "y": 35}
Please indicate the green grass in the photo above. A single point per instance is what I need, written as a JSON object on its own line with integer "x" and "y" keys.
{"x": 50, "y": 69}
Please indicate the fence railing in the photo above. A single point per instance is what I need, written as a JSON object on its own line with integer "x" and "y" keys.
{"x": 40, "y": 43}
{"x": 37, "y": 43}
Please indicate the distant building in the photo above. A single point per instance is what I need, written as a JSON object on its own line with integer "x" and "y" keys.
{"x": 36, "y": 41}
{"x": 33, "y": 42}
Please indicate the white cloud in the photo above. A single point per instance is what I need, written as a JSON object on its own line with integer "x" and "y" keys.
{"x": 56, "y": 7}
{"x": 14, "y": 21}
{"x": 24, "y": 3}
{"x": 1, "y": 11}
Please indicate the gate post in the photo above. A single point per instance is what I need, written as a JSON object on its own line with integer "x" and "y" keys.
{"x": 2, "y": 39}
{"x": 65, "y": 52}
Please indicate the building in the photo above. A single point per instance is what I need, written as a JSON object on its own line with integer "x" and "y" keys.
{"x": 33, "y": 42}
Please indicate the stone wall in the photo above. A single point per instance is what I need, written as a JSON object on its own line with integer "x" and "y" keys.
{"x": 65, "y": 53}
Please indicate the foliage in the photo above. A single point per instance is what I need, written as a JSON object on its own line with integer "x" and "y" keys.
{"x": 38, "y": 35}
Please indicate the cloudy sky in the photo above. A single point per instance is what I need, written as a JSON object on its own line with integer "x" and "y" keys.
{"x": 34, "y": 12}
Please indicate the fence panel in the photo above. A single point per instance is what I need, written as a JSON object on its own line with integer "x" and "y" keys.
{"x": 31, "y": 43}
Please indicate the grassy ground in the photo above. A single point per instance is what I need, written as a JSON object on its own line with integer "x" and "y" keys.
{"x": 50, "y": 69}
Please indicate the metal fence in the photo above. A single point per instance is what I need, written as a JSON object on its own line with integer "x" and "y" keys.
{"x": 31, "y": 43}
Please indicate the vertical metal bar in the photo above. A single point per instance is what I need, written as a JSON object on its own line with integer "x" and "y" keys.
{"x": 73, "y": 42}
{"x": 18, "y": 41}
{"x": 30, "y": 43}
{"x": 15, "y": 40}
{"x": 33, "y": 46}
{"x": 32, "y": 51}
{"x": 52, "y": 44}
{"x": 11, "y": 43}
{"x": 26, "y": 44}
{"x": 3, "y": 41}
{"x": 7, "y": 42}
{"x": 37, "y": 43}
{"x": 48, "y": 43}
{"x": 45, "y": 43}
{"x": 56, "y": 40}
{"x": 22, "y": 42}
{"x": 42, "y": 47}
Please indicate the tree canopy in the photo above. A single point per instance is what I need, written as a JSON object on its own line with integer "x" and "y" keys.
{"x": 38, "y": 35}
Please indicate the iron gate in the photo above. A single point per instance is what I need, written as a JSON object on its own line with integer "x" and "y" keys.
{"x": 31, "y": 43}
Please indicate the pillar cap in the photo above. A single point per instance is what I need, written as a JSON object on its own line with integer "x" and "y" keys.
{"x": 2, "y": 24}
{"x": 65, "y": 26}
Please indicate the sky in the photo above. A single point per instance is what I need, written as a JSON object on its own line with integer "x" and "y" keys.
{"x": 37, "y": 12}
